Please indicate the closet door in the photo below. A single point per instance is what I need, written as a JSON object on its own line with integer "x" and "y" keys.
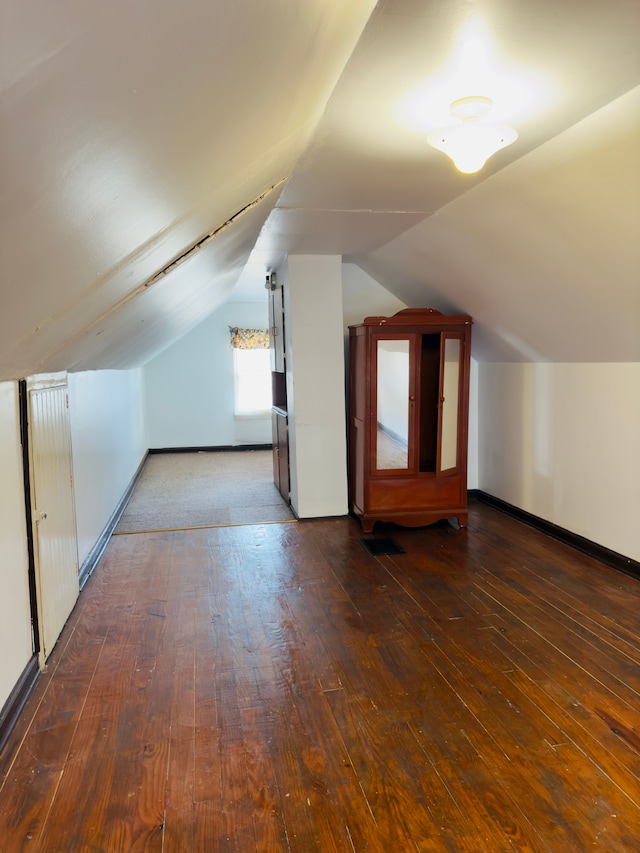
{"x": 53, "y": 507}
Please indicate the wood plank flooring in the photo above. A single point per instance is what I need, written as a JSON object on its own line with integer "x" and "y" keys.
{"x": 275, "y": 688}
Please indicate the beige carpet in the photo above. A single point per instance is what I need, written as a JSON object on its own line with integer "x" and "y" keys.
{"x": 182, "y": 490}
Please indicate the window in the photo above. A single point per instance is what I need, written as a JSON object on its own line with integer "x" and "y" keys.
{"x": 251, "y": 372}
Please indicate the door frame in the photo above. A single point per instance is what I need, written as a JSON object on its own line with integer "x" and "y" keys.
{"x": 23, "y": 407}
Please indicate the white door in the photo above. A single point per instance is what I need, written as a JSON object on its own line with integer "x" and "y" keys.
{"x": 53, "y": 507}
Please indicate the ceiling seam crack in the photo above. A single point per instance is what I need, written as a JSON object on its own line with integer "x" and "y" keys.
{"x": 210, "y": 235}
{"x": 177, "y": 261}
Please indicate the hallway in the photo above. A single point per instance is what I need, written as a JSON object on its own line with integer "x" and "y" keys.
{"x": 180, "y": 491}
{"x": 274, "y": 688}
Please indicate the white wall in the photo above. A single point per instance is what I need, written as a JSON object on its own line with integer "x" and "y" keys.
{"x": 188, "y": 388}
{"x": 315, "y": 384}
{"x": 561, "y": 441}
{"x": 15, "y": 612}
{"x": 108, "y": 443}
{"x": 363, "y": 296}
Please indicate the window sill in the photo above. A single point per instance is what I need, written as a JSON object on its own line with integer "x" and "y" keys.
{"x": 253, "y": 416}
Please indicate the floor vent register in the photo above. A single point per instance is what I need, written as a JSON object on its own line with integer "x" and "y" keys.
{"x": 382, "y": 546}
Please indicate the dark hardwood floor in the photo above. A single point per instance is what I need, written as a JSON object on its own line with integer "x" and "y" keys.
{"x": 275, "y": 688}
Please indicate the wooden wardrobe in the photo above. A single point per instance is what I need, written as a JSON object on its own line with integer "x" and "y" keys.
{"x": 408, "y": 418}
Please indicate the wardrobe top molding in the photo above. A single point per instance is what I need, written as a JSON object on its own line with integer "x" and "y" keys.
{"x": 418, "y": 317}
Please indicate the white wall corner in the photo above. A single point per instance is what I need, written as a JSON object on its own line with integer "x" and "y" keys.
{"x": 315, "y": 384}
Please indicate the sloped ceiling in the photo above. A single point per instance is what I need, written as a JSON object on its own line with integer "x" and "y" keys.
{"x": 133, "y": 131}
{"x": 130, "y": 130}
{"x": 545, "y": 255}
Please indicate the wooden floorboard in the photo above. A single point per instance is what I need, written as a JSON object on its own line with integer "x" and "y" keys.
{"x": 275, "y": 688}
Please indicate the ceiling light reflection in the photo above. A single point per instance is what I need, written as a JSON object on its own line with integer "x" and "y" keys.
{"x": 475, "y": 68}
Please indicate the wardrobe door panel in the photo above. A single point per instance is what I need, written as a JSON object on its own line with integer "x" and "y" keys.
{"x": 392, "y": 418}
{"x": 450, "y": 402}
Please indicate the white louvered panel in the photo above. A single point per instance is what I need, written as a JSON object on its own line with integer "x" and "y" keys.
{"x": 53, "y": 511}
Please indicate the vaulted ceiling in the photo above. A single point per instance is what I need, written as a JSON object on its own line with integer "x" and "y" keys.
{"x": 158, "y": 157}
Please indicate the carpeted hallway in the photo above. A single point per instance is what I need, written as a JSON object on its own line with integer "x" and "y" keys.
{"x": 204, "y": 489}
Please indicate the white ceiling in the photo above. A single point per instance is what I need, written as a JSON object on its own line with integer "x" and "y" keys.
{"x": 131, "y": 131}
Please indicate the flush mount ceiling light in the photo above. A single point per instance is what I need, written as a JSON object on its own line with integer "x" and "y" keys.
{"x": 471, "y": 142}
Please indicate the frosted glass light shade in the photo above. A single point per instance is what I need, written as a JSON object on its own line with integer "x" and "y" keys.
{"x": 471, "y": 142}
